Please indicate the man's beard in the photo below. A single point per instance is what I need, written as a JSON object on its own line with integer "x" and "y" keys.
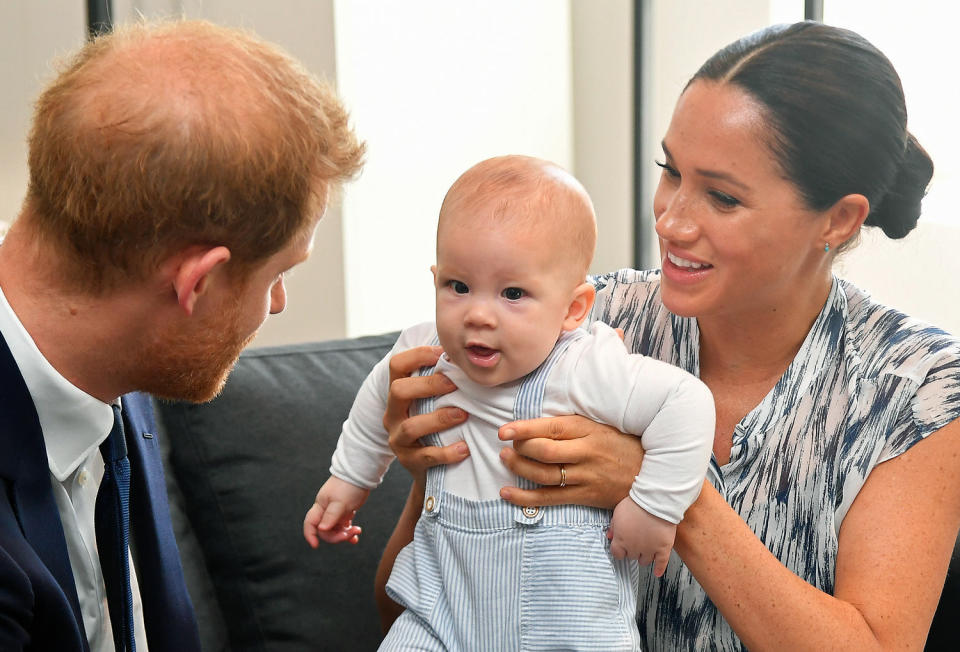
{"x": 194, "y": 366}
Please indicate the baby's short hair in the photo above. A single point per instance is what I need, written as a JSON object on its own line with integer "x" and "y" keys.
{"x": 528, "y": 192}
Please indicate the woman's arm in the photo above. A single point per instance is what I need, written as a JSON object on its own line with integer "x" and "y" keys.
{"x": 894, "y": 550}
{"x": 894, "y": 545}
{"x": 401, "y": 536}
{"x": 405, "y": 433}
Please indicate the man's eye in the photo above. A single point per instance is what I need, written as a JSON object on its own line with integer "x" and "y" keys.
{"x": 513, "y": 294}
{"x": 459, "y": 287}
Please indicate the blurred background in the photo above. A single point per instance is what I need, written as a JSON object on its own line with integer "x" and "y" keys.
{"x": 434, "y": 86}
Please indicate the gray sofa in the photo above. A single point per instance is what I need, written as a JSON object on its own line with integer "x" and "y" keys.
{"x": 243, "y": 469}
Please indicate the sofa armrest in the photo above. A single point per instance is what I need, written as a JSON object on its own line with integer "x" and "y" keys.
{"x": 248, "y": 465}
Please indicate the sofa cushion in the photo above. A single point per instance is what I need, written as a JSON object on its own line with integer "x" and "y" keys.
{"x": 249, "y": 464}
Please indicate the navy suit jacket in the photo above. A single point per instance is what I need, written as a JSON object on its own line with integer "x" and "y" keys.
{"x": 39, "y": 608}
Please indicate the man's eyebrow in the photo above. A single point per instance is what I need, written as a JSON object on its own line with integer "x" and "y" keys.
{"x": 711, "y": 174}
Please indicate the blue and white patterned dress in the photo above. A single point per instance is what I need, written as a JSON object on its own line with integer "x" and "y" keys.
{"x": 867, "y": 384}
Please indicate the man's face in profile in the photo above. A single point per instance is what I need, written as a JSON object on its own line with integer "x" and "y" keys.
{"x": 193, "y": 363}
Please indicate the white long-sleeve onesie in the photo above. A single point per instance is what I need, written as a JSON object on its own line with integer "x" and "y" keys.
{"x": 671, "y": 410}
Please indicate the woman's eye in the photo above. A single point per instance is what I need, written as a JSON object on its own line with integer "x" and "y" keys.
{"x": 668, "y": 169}
{"x": 459, "y": 287}
{"x": 513, "y": 294}
{"x": 725, "y": 200}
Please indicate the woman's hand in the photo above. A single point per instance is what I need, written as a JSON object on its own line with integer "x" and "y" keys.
{"x": 598, "y": 462}
{"x": 405, "y": 433}
{"x": 405, "y": 430}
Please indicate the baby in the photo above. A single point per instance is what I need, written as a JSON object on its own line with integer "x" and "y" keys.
{"x": 514, "y": 241}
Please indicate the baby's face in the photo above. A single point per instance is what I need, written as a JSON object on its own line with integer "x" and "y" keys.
{"x": 502, "y": 296}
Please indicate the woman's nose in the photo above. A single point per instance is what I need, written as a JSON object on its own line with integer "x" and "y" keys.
{"x": 676, "y": 221}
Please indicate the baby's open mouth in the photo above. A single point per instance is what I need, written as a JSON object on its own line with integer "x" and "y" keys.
{"x": 482, "y": 356}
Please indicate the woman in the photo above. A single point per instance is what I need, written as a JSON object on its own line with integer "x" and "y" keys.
{"x": 833, "y": 504}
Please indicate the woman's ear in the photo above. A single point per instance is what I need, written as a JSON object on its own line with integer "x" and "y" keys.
{"x": 846, "y": 216}
{"x": 192, "y": 276}
{"x": 583, "y": 296}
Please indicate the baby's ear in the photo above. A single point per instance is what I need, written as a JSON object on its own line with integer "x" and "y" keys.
{"x": 580, "y": 306}
{"x": 433, "y": 270}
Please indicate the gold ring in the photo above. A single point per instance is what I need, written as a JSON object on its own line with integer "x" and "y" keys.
{"x": 563, "y": 476}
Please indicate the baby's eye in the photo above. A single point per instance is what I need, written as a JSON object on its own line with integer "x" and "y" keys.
{"x": 459, "y": 287}
{"x": 513, "y": 294}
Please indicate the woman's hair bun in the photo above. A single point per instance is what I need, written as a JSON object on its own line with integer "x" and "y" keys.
{"x": 899, "y": 208}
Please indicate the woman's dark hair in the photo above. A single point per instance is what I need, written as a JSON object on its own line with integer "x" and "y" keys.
{"x": 837, "y": 116}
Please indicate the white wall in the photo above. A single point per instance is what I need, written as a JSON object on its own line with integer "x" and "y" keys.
{"x": 33, "y": 34}
{"x": 558, "y": 77}
{"x": 603, "y": 129}
{"x": 435, "y": 87}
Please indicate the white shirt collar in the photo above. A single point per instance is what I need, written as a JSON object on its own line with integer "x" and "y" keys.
{"x": 74, "y": 423}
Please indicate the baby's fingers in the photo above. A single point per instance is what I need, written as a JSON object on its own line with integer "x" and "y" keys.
{"x": 310, "y": 522}
{"x": 660, "y": 562}
{"x": 617, "y": 550}
{"x": 335, "y": 513}
{"x": 349, "y": 533}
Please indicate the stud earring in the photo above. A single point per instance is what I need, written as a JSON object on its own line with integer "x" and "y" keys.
{"x": 826, "y": 247}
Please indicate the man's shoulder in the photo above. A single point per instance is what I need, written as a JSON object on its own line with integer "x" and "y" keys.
{"x": 29, "y": 592}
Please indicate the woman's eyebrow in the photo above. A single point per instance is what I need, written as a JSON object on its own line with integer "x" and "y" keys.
{"x": 711, "y": 174}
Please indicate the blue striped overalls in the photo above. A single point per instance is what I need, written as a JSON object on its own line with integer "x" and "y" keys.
{"x": 481, "y": 576}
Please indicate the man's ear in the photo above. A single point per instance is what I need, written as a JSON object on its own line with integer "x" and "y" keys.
{"x": 193, "y": 274}
{"x": 580, "y": 306}
{"x": 846, "y": 216}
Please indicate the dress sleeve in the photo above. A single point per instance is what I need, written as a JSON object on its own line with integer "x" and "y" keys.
{"x": 671, "y": 410}
{"x": 363, "y": 452}
{"x": 935, "y": 403}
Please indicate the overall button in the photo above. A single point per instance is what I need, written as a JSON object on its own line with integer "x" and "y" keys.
{"x": 430, "y": 503}
{"x": 531, "y": 512}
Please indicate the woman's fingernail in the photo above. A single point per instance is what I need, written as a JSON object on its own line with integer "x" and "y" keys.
{"x": 505, "y": 494}
{"x": 508, "y": 433}
{"x": 462, "y": 449}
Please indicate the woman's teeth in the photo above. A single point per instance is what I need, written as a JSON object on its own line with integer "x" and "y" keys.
{"x": 683, "y": 262}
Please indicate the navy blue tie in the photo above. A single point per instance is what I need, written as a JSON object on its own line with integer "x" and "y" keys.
{"x": 112, "y": 522}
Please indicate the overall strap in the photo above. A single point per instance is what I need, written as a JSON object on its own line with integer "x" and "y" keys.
{"x": 434, "y": 491}
{"x": 529, "y": 405}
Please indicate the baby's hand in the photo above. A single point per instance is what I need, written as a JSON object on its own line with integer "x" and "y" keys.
{"x": 331, "y": 516}
{"x": 637, "y": 534}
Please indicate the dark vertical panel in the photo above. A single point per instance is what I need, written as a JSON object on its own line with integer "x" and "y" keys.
{"x": 639, "y": 223}
{"x": 813, "y": 10}
{"x": 99, "y": 19}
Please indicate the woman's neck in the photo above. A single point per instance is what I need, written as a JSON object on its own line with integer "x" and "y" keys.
{"x": 755, "y": 345}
